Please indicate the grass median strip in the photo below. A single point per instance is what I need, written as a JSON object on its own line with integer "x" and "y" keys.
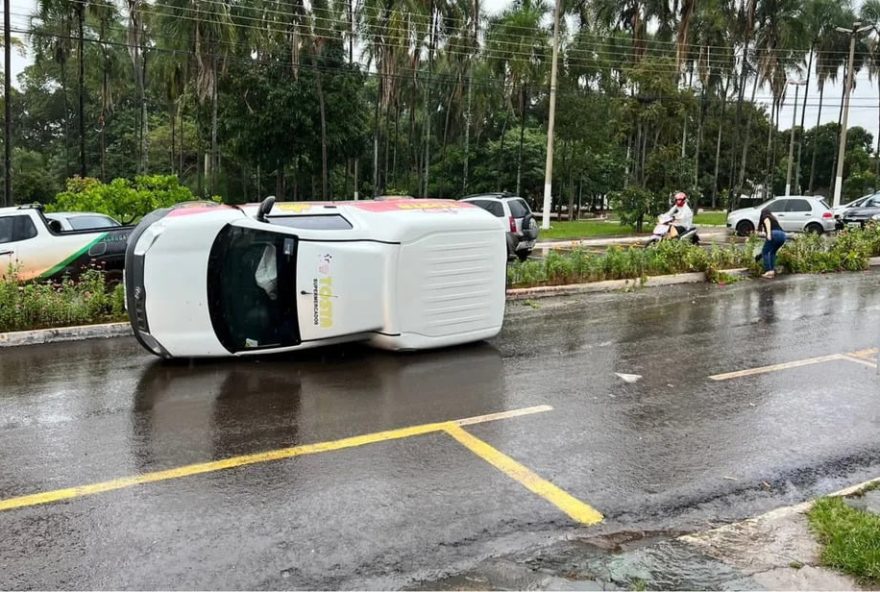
{"x": 579, "y": 511}
{"x": 851, "y": 539}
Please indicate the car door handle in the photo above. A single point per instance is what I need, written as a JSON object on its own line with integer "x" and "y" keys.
{"x": 6, "y": 253}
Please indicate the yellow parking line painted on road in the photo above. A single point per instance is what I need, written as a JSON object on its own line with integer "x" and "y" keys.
{"x": 777, "y": 367}
{"x": 576, "y": 509}
{"x": 860, "y": 357}
{"x": 859, "y": 360}
{"x": 250, "y": 459}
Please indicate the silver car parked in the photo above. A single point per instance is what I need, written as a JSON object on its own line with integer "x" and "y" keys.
{"x": 796, "y": 213}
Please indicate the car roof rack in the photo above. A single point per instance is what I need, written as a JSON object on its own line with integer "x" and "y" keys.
{"x": 495, "y": 194}
{"x": 31, "y": 206}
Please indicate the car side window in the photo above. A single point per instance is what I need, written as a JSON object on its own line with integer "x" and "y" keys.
{"x": 798, "y": 206}
{"x": 874, "y": 203}
{"x": 518, "y": 208}
{"x": 495, "y": 208}
{"x": 777, "y": 206}
{"x": 16, "y": 228}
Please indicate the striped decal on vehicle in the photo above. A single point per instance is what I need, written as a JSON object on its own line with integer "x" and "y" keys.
{"x": 59, "y": 267}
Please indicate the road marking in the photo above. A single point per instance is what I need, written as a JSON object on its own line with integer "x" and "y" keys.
{"x": 859, "y": 357}
{"x": 859, "y": 360}
{"x": 777, "y": 367}
{"x": 576, "y": 509}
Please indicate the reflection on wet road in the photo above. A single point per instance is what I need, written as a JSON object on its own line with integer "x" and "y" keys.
{"x": 673, "y": 450}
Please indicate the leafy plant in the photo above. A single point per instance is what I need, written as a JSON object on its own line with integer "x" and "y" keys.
{"x": 122, "y": 199}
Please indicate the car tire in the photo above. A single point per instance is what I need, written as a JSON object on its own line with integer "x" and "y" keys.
{"x": 744, "y": 228}
{"x": 814, "y": 228}
{"x": 523, "y": 255}
{"x": 529, "y": 228}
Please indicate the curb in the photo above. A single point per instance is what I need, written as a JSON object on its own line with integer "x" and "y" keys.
{"x": 61, "y": 334}
{"x": 613, "y": 285}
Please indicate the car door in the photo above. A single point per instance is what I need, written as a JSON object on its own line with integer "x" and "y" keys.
{"x": 798, "y": 212}
{"x": 777, "y": 208}
{"x": 15, "y": 232}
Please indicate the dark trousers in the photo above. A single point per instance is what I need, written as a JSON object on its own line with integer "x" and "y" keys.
{"x": 771, "y": 247}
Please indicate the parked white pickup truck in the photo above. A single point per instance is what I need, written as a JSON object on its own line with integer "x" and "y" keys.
{"x": 211, "y": 280}
{"x": 40, "y": 248}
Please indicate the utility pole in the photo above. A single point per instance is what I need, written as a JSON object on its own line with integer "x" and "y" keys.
{"x": 841, "y": 148}
{"x": 7, "y": 100}
{"x": 797, "y": 87}
{"x": 548, "y": 166}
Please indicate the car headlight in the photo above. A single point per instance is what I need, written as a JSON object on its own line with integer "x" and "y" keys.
{"x": 148, "y": 238}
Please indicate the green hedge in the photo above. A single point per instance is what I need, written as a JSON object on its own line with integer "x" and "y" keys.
{"x": 35, "y": 305}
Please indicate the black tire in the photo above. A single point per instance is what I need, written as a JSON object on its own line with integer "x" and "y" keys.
{"x": 814, "y": 228}
{"x": 523, "y": 255}
{"x": 695, "y": 239}
{"x": 744, "y": 228}
{"x": 652, "y": 242}
{"x": 529, "y": 228}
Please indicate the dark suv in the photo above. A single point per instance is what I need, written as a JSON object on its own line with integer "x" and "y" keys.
{"x": 523, "y": 229}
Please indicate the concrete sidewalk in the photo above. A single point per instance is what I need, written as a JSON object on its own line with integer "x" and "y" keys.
{"x": 774, "y": 551}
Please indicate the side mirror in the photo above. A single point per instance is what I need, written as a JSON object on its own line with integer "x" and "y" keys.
{"x": 265, "y": 208}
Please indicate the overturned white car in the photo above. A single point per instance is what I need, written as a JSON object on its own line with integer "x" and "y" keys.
{"x": 210, "y": 280}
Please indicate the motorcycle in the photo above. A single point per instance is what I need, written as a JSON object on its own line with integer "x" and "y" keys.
{"x": 661, "y": 233}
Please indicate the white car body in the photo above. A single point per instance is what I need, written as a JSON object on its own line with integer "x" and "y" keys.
{"x": 401, "y": 275}
{"x": 796, "y": 213}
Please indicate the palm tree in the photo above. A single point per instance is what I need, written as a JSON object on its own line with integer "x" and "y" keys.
{"x": 517, "y": 44}
{"x": 206, "y": 30}
{"x": 779, "y": 36}
{"x": 870, "y": 13}
{"x": 51, "y": 39}
{"x": 831, "y": 51}
{"x": 818, "y": 17}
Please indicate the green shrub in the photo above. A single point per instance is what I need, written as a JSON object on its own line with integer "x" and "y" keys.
{"x": 122, "y": 199}
{"x": 34, "y": 305}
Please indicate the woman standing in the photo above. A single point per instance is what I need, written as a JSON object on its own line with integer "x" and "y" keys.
{"x": 775, "y": 238}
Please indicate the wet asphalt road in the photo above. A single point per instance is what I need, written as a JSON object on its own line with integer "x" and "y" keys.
{"x": 670, "y": 453}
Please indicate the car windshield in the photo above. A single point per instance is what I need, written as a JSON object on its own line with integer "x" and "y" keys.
{"x": 252, "y": 289}
{"x": 91, "y": 222}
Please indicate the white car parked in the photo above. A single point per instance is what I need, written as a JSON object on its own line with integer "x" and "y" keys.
{"x": 212, "y": 280}
{"x": 796, "y": 213}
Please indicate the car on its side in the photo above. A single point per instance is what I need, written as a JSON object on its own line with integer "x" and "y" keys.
{"x": 65, "y": 221}
{"x": 867, "y": 211}
{"x": 41, "y": 248}
{"x": 796, "y": 213}
{"x": 212, "y": 280}
{"x": 522, "y": 229}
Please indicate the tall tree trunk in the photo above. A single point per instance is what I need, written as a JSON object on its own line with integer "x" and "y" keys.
{"x": 215, "y": 100}
{"x": 324, "y": 172}
{"x": 700, "y": 119}
{"x": 428, "y": 118}
{"x": 815, "y": 136}
{"x": 745, "y": 152}
{"x": 376, "y": 143}
{"x": 800, "y": 144}
{"x": 63, "y": 66}
{"x": 769, "y": 169}
{"x": 522, "y": 132}
{"x": 718, "y": 147}
{"x": 171, "y": 112}
{"x": 80, "y": 11}
{"x": 467, "y": 134}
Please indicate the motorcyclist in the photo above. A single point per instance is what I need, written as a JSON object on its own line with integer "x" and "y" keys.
{"x": 681, "y": 216}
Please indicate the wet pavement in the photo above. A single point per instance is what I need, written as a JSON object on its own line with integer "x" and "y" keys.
{"x": 671, "y": 452}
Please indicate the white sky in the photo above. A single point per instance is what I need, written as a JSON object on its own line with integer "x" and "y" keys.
{"x": 864, "y": 107}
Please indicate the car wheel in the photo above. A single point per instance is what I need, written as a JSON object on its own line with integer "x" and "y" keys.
{"x": 529, "y": 228}
{"x": 745, "y": 228}
{"x": 814, "y": 228}
{"x": 523, "y": 255}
